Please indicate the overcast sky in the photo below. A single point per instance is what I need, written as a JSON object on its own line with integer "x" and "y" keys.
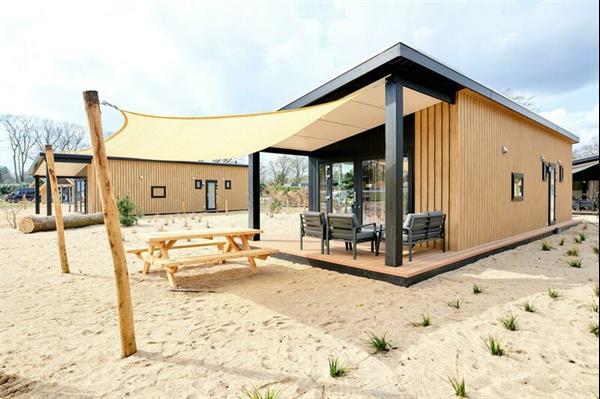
{"x": 207, "y": 58}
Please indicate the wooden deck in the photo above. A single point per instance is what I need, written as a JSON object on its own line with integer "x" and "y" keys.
{"x": 426, "y": 262}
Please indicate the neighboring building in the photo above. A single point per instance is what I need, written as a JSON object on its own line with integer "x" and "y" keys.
{"x": 156, "y": 187}
{"x": 418, "y": 136}
{"x": 585, "y": 182}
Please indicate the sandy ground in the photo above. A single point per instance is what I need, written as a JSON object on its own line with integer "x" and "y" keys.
{"x": 58, "y": 334}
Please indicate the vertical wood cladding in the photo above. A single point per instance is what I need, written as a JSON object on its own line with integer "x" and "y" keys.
{"x": 487, "y": 212}
{"x": 460, "y": 169}
{"x": 136, "y": 177}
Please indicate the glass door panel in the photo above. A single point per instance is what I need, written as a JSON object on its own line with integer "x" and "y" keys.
{"x": 342, "y": 187}
{"x": 552, "y": 195}
{"x": 323, "y": 192}
{"x": 211, "y": 195}
{"x": 373, "y": 191}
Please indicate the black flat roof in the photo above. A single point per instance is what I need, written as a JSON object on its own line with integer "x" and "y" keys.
{"x": 423, "y": 73}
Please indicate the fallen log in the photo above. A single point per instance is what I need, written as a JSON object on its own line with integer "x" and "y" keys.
{"x": 35, "y": 223}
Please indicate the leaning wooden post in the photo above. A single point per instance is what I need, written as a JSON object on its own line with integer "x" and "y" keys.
{"x": 58, "y": 216}
{"x": 111, "y": 221}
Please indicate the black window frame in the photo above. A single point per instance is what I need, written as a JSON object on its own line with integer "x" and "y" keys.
{"x": 516, "y": 175}
{"x": 198, "y": 184}
{"x": 153, "y": 195}
{"x": 561, "y": 173}
{"x": 227, "y": 184}
{"x": 544, "y": 170}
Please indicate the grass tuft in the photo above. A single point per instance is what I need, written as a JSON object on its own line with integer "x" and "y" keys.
{"x": 553, "y": 293}
{"x": 596, "y": 289}
{"x": 546, "y": 246}
{"x": 494, "y": 346}
{"x": 255, "y": 393}
{"x": 561, "y": 242}
{"x": 593, "y": 328}
{"x": 528, "y": 307}
{"x": 595, "y": 249}
{"x": 477, "y": 289}
{"x": 424, "y": 322}
{"x": 454, "y": 304}
{"x": 579, "y": 238}
{"x": 380, "y": 344}
{"x": 593, "y": 307}
{"x": 336, "y": 368}
{"x": 574, "y": 251}
{"x": 459, "y": 386}
{"x": 575, "y": 263}
{"x": 510, "y": 322}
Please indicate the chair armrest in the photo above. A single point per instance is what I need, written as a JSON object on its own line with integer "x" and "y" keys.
{"x": 366, "y": 225}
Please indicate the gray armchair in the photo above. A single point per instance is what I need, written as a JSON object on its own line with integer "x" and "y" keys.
{"x": 313, "y": 224}
{"x": 346, "y": 228}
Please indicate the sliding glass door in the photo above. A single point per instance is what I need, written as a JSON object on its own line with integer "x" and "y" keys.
{"x": 358, "y": 187}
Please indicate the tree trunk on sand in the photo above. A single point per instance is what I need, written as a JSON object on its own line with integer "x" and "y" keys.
{"x": 35, "y": 223}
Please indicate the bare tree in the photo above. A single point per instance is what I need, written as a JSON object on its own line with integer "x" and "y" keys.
{"x": 587, "y": 150}
{"x": 521, "y": 99}
{"x": 299, "y": 170}
{"x": 281, "y": 169}
{"x": 63, "y": 136}
{"x": 22, "y": 133}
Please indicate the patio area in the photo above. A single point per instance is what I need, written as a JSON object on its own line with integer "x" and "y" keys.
{"x": 427, "y": 262}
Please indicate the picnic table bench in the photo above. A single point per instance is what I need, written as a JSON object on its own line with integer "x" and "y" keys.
{"x": 227, "y": 248}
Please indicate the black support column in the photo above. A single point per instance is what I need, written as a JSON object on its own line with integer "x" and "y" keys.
{"x": 313, "y": 184}
{"x": 48, "y": 194}
{"x": 254, "y": 192}
{"x": 394, "y": 155}
{"x": 37, "y": 195}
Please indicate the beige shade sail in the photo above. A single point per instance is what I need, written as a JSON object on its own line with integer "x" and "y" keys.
{"x": 207, "y": 138}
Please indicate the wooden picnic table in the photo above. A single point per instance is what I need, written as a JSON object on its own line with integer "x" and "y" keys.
{"x": 228, "y": 248}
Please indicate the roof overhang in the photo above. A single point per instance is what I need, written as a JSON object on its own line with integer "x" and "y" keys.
{"x": 421, "y": 73}
{"x": 67, "y": 165}
{"x": 364, "y": 111}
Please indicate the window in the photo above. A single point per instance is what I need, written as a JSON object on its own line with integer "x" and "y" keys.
{"x": 561, "y": 173}
{"x": 227, "y": 184}
{"x": 158, "y": 192}
{"x": 518, "y": 185}
{"x": 198, "y": 184}
{"x": 544, "y": 171}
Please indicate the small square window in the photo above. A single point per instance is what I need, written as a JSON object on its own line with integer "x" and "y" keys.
{"x": 158, "y": 192}
{"x": 227, "y": 184}
{"x": 518, "y": 186}
{"x": 198, "y": 184}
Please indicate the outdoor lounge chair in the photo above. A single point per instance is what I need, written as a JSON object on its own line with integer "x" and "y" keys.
{"x": 418, "y": 228}
{"x": 313, "y": 224}
{"x": 346, "y": 228}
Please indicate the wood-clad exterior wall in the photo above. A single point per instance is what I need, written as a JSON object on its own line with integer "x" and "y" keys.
{"x": 485, "y": 210}
{"x": 136, "y": 177}
{"x": 435, "y": 158}
{"x": 461, "y": 170}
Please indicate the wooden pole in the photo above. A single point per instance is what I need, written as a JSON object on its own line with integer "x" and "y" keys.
{"x": 111, "y": 221}
{"x": 60, "y": 227}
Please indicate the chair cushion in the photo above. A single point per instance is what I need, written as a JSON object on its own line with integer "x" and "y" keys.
{"x": 408, "y": 220}
{"x": 347, "y": 235}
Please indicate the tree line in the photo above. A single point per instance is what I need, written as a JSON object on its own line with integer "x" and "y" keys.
{"x": 27, "y": 135}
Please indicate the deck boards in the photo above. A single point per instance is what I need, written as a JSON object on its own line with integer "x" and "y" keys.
{"x": 426, "y": 263}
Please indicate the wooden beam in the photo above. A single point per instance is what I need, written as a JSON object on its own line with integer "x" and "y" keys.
{"x": 254, "y": 193}
{"x": 52, "y": 181}
{"x": 48, "y": 192}
{"x": 394, "y": 157}
{"x": 111, "y": 221}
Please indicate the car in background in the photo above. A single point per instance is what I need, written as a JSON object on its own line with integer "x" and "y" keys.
{"x": 20, "y": 194}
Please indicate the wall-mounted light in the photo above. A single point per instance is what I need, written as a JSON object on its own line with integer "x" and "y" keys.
{"x": 504, "y": 149}
{"x": 141, "y": 177}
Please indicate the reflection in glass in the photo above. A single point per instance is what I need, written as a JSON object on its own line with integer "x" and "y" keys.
{"x": 342, "y": 187}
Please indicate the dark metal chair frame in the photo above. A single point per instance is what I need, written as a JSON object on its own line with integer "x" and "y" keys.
{"x": 310, "y": 223}
{"x": 351, "y": 232}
